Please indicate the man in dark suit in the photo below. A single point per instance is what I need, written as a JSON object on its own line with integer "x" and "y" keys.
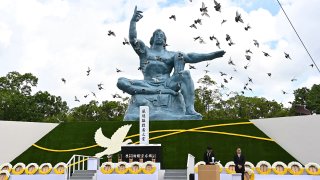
{"x": 208, "y": 155}
{"x": 239, "y": 161}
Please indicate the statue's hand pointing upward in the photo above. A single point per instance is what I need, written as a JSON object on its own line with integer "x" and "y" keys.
{"x": 137, "y": 15}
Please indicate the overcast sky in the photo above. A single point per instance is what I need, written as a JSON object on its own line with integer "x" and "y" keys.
{"x": 56, "y": 39}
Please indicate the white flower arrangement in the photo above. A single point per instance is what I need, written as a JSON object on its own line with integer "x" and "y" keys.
{"x": 250, "y": 172}
{"x": 292, "y": 171}
{"x": 119, "y": 168}
{"x": 277, "y": 164}
{"x": 33, "y": 171}
{"x": 135, "y": 171}
{"x": 248, "y": 164}
{"x": 220, "y": 166}
{"x": 146, "y": 169}
{"x": 6, "y": 165}
{"x": 227, "y": 167}
{"x": 196, "y": 169}
{"x": 18, "y": 169}
{"x": 263, "y": 163}
{"x": 108, "y": 171}
{"x": 41, "y": 171}
{"x": 57, "y": 168}
{"x": 5, "y": 173}
{"x": 312, "y": 168}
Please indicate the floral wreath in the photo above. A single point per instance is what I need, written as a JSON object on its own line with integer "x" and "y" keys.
{"x": 47, "y": 171}
{"x": 6, "y": 165}
{"x": 107, "y": 171}
{"x": 55, "y": 169}
{"x": 279, "y": 163}
{"x": 196, "y": 169}
{"x": 36, "y": 167}
{"x": 251, "y": 166}
{"x": 266, "y": 164}
{"x": 145, "y": 171}
{"x": 6, "y": 172}
{"x": 220, "y": 166}
{"x": 295, "y": 164}
{"x": 13, "y": 171}
{"x": 250, "y": 172}
{"x": 230, "y": 163}
{"x": 131, "y": 166}
{"x": 307, "y": 166}
{"x": 118, "y": 171}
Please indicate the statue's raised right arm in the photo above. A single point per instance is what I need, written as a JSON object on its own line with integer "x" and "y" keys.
{"x": 137, "y": 45}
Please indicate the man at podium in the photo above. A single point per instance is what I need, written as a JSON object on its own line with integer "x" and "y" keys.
{"x": 239, "y": 161}
{"x": 208, "y": 156}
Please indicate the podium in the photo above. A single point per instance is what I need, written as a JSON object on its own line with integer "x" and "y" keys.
{"x": 209, "y": 172}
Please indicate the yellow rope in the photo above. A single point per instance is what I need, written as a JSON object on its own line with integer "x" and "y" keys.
{"x": 67, "y": 150}
{"x": 83, "y": 160}
{"x": 173, "y": 132}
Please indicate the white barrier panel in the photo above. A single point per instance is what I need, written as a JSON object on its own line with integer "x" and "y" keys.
{"x": 298, "y": 135}
{"x": 190, "y": 165}
{"x": 38, "y": 177}
{"x": 285, "y": 177}
{"x": 114, "y": 176}
{"x": 101, "y": 176}
{"x": 22, "y": 136}
{"x": 268, "y": 177}
{"x": 226, "y": 177}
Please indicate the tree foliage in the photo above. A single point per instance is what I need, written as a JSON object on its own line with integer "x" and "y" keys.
{"x": 18, "y": 104}
{"x": 307, "y": 97}
{"x": 209, "y": 102}
{"x": 93, "y": 111}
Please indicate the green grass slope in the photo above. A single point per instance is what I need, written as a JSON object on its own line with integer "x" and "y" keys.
{"x": 175, "y": 148}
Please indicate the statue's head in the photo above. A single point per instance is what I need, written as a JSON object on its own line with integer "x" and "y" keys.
{"x": 158, "y": 38}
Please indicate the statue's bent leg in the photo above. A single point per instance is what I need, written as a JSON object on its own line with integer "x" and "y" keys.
{"x": 133, "y": 87}
{"x": 183, "y": 78}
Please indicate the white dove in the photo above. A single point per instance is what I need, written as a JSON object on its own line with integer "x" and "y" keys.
{"x": 113, "y": 144}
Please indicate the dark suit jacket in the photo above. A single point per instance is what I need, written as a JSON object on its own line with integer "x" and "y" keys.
{"x": 207, "y": 158}
{"x": 239, "y": 161}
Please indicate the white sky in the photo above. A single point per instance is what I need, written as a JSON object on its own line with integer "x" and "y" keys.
{"x": 56, "y": 39}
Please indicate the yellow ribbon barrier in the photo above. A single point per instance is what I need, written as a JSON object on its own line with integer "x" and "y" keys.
{"x": 173, "y": 132}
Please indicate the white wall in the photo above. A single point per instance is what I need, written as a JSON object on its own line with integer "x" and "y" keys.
{"x": 16, "y": 137}
{"x": 298, "y": 135}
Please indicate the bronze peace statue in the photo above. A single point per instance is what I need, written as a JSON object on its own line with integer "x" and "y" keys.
{"x": 169, "y": 97}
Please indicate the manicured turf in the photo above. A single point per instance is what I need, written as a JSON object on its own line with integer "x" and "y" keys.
{"x": 175, "y": 147}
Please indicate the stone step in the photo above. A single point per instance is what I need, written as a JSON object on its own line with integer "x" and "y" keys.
{"x": 176, "y": 177}
{"x": 81, "y": 178}
{"x": 85, "y": 171}
{"x": 175, "y": 174}
{"x": 83, "y": 174}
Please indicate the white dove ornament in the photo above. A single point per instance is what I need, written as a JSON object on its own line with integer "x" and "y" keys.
{"x": 113, "y": 144}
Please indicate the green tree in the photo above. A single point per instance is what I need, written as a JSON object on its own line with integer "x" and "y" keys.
{"x": 252, "y": 108}
{"x": 207, "y": 96}
{"x": 106, "y": 111}
{"x": 18, "y": 104}
{"x": 313, "y": 100}
{"x": 308, "y": 97}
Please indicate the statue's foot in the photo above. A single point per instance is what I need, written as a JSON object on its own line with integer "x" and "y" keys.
{"x": 190, "y": 111}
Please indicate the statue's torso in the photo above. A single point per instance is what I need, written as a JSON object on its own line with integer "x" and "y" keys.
{"x": 156, "y": 66}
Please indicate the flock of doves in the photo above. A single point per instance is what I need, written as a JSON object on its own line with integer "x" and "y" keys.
{"x": 198, "y": 22}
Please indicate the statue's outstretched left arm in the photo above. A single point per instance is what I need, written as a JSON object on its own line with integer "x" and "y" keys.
{"x": 197, "y": 57}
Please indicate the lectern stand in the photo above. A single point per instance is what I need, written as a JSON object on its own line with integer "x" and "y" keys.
{"x": 209, "y": 172}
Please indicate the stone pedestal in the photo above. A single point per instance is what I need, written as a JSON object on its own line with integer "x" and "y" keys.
{"x": 162, "y": 107}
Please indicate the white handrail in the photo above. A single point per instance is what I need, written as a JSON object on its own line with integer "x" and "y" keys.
{"x": 72, "y": 164}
